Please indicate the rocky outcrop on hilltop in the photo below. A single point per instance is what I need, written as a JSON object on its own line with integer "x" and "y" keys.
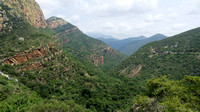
{"x": 27, "y": 9}
{"x": 54, "y": 22}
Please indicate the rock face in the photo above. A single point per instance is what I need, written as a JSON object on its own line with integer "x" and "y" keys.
{"x": 96, "y": 59}
{"x": 54, "y": 22}
{"x": 32, "y": 66}
{"x": 28, "y": 9}
{"x": 134, "y": 71}
{"x": 22, "y": 58}
{"x": 109, "y": 50}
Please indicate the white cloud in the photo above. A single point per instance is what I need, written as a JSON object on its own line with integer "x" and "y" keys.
{"x": 126, "y": 18}
{"x": 125, "y": 26}
{"x": 178, "y": 26}
{"x": 74, "y": 18}
{"x": 108, "y": 25}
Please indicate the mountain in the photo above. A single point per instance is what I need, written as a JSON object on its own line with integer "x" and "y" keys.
{"x": 133, "y": 46}
{"x": 53, "y": 68}
{"x": 83, "y": 47}
{"x": 130, "y": 45}
{"x": 117, "y": 44}
{"x": 57, "y": 68}
{"x": 177, "y": 55}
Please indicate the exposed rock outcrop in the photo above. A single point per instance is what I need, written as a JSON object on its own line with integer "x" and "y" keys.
{"x": 54, "y": 22}
{"x": 32, "y": 66}
{"x": 24, "y": 57}
{"x": 70, "y": 30}
{"x": 134, "y": 71}
{"x": 28, "y": 9}
{"x": 96, "y": 59}
{"x": 109, "y": 50}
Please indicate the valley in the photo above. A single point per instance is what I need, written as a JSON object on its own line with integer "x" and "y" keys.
{"x": 50, "y": 65}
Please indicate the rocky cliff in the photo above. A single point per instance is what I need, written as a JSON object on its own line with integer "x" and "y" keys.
{"x": 28, "y": 9}
{"x": 26, "y": 56}
{"x": 34, "y": 57}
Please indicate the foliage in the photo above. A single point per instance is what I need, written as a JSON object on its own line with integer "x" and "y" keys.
{"x": 176, "y": 55}
{"x": 82, "y": 47}
{"x": 163, "y": 94}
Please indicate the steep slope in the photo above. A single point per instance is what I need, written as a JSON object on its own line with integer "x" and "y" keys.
{"x": 49, "y": 78}
{"x": 133, "y": 46}
{"x": 177, "y": 55}
{"x": 118, "y": 44}
{"x": 84, "y": 48}
{"x": 28, "y": 9}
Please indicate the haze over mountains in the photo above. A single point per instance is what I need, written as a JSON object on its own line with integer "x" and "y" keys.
{"x": 130, "y": 45}
{"x": 52, "y": 66}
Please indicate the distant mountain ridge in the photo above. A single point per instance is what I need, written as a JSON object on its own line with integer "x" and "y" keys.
{"x": 118, "y": 44}
{"x": 130, "y": 45}
{"x": 133, "y": 46}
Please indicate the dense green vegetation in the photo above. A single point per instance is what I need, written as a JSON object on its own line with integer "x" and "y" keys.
{"x": 64, "y": 83}
{"x": 14, "y": 96}
{"x": 82, "y": 47}
{"x": 176, "y": 55}
{"x": 69, "y": 81}
{"x": 10, "y": 38}
{"x": 163, "y": 94}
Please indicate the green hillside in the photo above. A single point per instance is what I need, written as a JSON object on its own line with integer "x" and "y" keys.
{"x": 177, "y": 55}
{"x": 85, "y": 48}
{"x": 50, "y": 77}
{"x": 52, "y": 66}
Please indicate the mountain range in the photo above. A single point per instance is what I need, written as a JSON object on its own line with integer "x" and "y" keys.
{"x": 52, "y": 66}
{"x": 130, "y": 45}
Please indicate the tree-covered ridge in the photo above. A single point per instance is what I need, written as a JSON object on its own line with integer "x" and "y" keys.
{"x": 85, "y": 48}
{"x": 177, "y": 55}
{"x": 54, "y": 76}
{"x": 165, "y": 95}
{"x": 61, "y": 82}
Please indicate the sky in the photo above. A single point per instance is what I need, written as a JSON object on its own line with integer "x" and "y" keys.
{"x": 126, "y": 18}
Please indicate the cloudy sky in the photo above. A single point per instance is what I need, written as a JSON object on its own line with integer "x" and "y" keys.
{"x": 126, "y": 18}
